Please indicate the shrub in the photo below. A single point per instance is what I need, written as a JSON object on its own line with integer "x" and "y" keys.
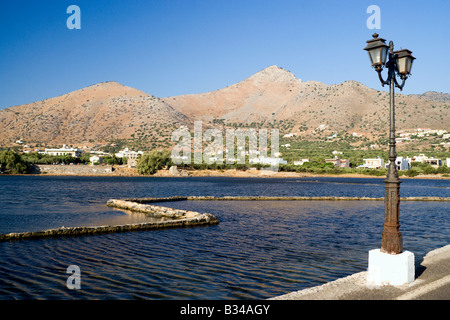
{"x": 151, "y": 162}
{"x": 443, "y": 169}
{"x": 13, "y": 162}
{"x": 411, "y": 173}
{"x": 429, "y": 170}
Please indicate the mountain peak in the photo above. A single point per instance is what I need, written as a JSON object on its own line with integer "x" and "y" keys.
{"x": 274, "y": 74}
{"x": 108, "y": 85}
{"x": 109, "y": 88}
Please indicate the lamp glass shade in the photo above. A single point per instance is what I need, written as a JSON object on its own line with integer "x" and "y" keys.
{"x": 378, "y": 55}
{"x": 378, "y": 50}
{"x": 404, "y": 61}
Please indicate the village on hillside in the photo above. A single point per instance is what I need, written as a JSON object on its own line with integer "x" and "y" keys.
{"x": 317, "y": 159}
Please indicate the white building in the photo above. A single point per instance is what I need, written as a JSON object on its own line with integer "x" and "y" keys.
{"x": 375, "y": 163}
{"x": 268, "y": 161}
{"x": 180, "y": 159}
{"x": 95, "y": 159}
{"x": 277, "y": 154}
{"x": 341, "y": 163}
{"x": 230, "y": 160}
{"x": 100, "y": 153}
{"x": 402, "y": 163}
{"x": 132, "y": 156}
{"x": 273, "y": 161}
{"x": 435, "y": 163}
{"x": 74, "y": 152}
{"x": 300, "y": 162}
{"x": 289, "y": 135}
{"x": 126, "y": 153}
{"x": 420, "y": 158}
{"x": 215, "y": 160}
{"x": 402, "y": 140}
{"x": 332, "y": 136}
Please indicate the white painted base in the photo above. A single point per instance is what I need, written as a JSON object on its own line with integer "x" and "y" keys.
{"x": 390, "y": 269}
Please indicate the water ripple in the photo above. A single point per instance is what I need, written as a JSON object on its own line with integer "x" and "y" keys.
{"x": 260, "y": 248}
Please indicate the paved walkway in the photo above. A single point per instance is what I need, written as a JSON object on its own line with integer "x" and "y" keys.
{"x": 432, "y": 283}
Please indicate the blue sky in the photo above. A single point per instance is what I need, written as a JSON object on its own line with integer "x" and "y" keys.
{"x": 172, "y": 47}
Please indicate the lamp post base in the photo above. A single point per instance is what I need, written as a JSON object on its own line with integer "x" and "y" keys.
{"x": 390, "y": 269}
{"x": 391, "y": 241}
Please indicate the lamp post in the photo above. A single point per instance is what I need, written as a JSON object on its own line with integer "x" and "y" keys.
{"x": 399, "y": 64}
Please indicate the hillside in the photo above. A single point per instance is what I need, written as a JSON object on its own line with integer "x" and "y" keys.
{"x": 255, "y": 99}
{"x": 275, "y": 94}
{"x": 271, "y": 98}
{"x": 433, "y": 95}
{"x": 99, "y": 113}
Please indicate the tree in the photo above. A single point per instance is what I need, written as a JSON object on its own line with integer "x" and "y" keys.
{"x": 411, "y": 173}
{"x": 151, "y": 162}
{"x": 113, "y": 160}
{"x": 13, "y": 162}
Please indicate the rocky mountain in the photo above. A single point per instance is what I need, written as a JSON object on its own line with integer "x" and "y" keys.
{"x": 272, "y": 97}
{"x": 258, "y": 98}
{"x": 98, "y": 113}
{"x": 275, "y": 94}
{"x": 433, "y": 95}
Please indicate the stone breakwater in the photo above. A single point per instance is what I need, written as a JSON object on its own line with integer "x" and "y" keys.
{"x": 158, "y": 211}
{"x": 174, "y": 218}
{"x": 149, "y": 200}
{"x": 261, "y": 198}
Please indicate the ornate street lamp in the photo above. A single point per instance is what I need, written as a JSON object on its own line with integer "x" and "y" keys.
{"x": 378, "y": 50}
{"x": 399, "y": 64}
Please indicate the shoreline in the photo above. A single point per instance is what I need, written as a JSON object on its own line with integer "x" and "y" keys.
{"x": 355, "y": 286}
{"x": 230, "y": 173}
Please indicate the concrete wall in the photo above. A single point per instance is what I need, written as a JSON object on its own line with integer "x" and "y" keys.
{"x": 71, "y": 169}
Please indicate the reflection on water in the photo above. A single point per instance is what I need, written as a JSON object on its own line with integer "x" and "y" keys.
{"x": 58, "y": 216}
{"x": 260, "y": 248}
{"x": 125, "y": 217}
